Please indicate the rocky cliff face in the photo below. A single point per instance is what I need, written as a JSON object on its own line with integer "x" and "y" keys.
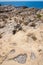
{"x": 21, "y": 36}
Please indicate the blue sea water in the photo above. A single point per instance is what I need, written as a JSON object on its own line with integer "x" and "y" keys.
{"x": 35, "y": 4}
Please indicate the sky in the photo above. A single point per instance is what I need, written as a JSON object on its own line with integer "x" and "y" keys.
{"x": 21, "y": 0}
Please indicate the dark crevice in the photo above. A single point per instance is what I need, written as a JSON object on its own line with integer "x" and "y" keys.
{"x": 0, "y": 36}
{"x": 33, "y": 25}
{"x": 12, "y": 51}
{"x": 17, "y": 28}
{"x": 39, "y": 50}
{"x": 14, "y": 31}
{"x": 34, "y": 38}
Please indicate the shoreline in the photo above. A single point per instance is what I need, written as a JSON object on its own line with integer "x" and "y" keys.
{"x": 35, "y": 4}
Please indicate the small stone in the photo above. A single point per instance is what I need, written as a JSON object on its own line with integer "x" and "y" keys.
{"x": 21, "y": 58}
{"x": 32, "y": 56}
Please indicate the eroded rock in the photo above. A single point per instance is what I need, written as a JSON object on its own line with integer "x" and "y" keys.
{"x": 21, "y": 36}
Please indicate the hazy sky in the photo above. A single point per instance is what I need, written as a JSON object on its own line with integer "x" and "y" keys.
{"x": 21, "y": 0}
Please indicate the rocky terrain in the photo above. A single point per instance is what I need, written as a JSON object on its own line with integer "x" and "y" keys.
{"x": 21, "y": 35}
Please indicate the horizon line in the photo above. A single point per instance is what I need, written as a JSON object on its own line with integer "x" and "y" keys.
{"x": 22, "y": 0}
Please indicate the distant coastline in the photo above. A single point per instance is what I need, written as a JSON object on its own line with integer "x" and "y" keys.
{"x": 35, "y": 4}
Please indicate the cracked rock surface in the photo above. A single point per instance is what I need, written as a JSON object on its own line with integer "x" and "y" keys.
{"x": 21, "y": 35}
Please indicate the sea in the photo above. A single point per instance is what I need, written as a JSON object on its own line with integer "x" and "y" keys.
{"x": 35, "y": 4}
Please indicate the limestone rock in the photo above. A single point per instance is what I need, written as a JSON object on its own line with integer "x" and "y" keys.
{"x": 21, "y": 35}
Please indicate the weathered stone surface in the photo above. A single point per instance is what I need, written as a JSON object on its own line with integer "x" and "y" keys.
{"x": 21, "y": 36}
